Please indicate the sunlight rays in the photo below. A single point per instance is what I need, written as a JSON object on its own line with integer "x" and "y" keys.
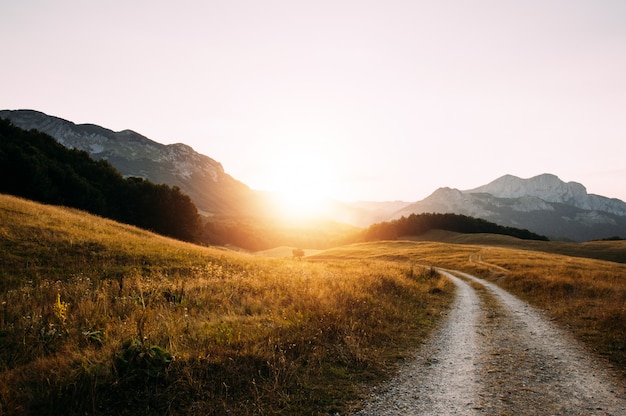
{"x": 302, "y": 182}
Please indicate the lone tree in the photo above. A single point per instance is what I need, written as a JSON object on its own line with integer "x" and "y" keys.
{"x": 298, "y": 253}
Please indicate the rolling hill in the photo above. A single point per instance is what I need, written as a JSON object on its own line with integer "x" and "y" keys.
{"x": 103, "y": 318}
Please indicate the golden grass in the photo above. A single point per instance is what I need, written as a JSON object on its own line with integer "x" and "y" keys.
{"x": 285, "y": 252}
{"x": 585, "y": 296}
{"x": 102, "y": 318}
{"x": 601, "y": 250}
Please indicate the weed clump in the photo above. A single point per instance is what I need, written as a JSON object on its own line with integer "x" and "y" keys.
{"x": 139, "y": 360}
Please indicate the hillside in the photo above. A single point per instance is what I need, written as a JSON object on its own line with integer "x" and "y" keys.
{"x": 102, "y": 318}
{"x": 211, "y": 189}
{"x": 33, "y": 165}
{"x": 600, "y": 250}
{"x": 417, "y": 224}
{"x": 203, "y": 179}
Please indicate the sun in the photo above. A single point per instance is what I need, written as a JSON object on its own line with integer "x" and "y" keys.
{"x": 302, "y": 182}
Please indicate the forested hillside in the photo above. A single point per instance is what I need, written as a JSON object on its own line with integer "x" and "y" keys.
{"x": 416, "y": 224}
{"x": 35, "y": 166}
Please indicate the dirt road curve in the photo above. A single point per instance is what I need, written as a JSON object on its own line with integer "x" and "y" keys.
{"x": 496, "y": 355}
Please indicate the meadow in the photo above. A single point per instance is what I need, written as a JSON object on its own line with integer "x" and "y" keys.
{"x": 585, "y": 296}
{"x": 582, "y": 294}
{"x": 101, "y": 318}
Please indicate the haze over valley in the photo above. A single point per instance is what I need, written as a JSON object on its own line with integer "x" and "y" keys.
{"x": 542, "y": 204}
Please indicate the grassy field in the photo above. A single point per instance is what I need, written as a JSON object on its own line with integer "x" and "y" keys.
{"x": 102, "y": 318}
{"x": 584, "y": 295}
{"x": 614, "y": 251}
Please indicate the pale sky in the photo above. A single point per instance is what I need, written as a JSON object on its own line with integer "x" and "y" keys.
{"x": 382, "y": 100}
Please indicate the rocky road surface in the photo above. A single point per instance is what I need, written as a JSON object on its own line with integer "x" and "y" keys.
{"x": 496, "y": 355}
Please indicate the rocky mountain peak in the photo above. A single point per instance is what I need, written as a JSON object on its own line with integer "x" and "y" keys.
{"x": 543, "y": 204}
{"x": 547, "y": 187}
{"x": 197, "y": 175}
{"x": 550, "y": 188}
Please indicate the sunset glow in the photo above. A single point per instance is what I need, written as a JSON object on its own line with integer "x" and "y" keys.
{"x": 393, "y": 90}
{"x": 302, "y": 180}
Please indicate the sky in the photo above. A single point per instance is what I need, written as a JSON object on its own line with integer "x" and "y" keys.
{"x": 356, "y": 100}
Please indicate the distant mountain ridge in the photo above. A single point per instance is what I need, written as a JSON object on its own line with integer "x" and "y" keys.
{"x": 202, "y": 178}
{"x": 550, "y": 188}
{"x": 543, "y": 204}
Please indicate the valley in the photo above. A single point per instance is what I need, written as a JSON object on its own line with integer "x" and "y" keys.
{"x": 292, "y": 208}
{"x": 103, "y": 318}
{"x": 542, "y": 204}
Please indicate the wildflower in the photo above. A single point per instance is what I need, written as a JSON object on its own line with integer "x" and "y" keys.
{"x": 60, "y": 309}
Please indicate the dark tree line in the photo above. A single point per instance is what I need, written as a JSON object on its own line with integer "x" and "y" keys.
{"x": 416, "y": 224}
{"x": 35, "y": 166}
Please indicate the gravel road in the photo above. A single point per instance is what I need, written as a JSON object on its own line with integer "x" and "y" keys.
{"x": 496, "y": 355}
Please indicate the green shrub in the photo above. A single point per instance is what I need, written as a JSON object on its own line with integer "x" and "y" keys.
{"x": 141, "y": 360}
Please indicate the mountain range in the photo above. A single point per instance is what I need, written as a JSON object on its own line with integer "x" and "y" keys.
{"x": 543, "y": 204}
{"x": 211, "y": 189}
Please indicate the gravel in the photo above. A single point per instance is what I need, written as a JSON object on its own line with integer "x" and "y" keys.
{"x": 496, "y": 355}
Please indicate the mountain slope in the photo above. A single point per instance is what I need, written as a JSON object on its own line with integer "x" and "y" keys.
{"x": 202, "y": 178}
{"x": 34, "y": 165}
{"x": 543, "y": 204}
{"x": 550, "y": 188}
